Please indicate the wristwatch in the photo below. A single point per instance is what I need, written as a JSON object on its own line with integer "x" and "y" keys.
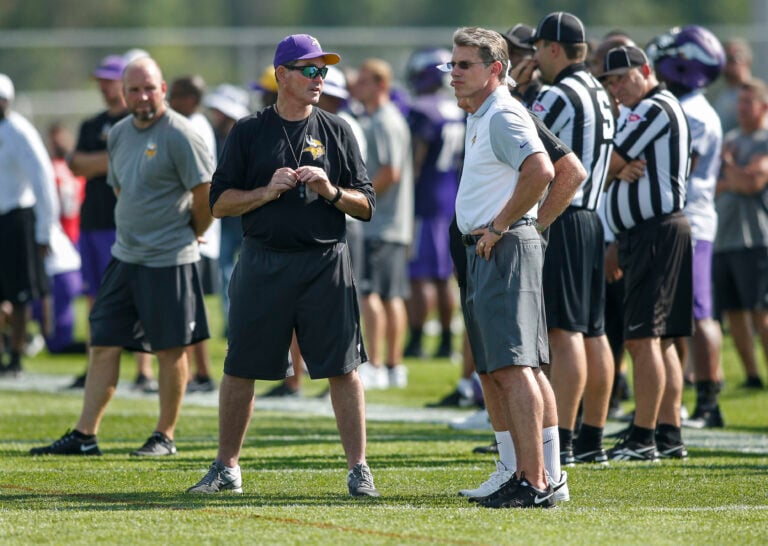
{"x": 336, "y": 197}
{"x": 494, "y": 230}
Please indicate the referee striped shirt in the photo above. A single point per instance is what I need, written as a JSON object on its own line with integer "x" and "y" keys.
{"x": 577, "y": 109}
{"x": 655, "y": 130}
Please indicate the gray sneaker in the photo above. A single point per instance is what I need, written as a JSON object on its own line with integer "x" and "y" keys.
{"x": 219, "y": 478}
{"x": 360, "y": 481}
{"x": 156, "y": 445}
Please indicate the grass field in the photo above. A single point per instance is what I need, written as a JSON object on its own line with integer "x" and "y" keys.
{"x": 294, "y": 477}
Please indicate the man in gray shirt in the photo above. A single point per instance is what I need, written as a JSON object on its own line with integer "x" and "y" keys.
{"x": 384, "y": 281}
{"x": 740, "y": 261}
{"x": 151, "y": 298}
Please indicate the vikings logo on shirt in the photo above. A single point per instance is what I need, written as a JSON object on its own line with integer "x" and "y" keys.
{"x": 105, "y": 131}
{"x": 151, "y": 150}
{"x": 314, "y": 146}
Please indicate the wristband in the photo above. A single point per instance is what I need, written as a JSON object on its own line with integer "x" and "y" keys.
{"x": 539, "y": 227}
{"x": 336, "y": 198}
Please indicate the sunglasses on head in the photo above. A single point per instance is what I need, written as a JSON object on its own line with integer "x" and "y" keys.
{"x": 462, "y": 65}
{"x": 310, "y": 71}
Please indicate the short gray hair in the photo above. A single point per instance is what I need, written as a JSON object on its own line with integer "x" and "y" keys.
{"x": 490, "y": 44}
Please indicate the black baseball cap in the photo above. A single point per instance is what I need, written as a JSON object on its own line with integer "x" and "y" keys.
{"x": 562, "y": 27}
{"x": 519, "y": 36}
{"x": 621, "y": 59}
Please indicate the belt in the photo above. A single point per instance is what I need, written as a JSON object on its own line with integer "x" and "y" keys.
{"x": 471, "y": 240}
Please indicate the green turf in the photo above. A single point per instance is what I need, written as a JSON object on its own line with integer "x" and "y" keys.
{"x": 294, "y": 479}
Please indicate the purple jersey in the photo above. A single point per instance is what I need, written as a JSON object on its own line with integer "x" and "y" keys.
{"x": 437, "y": 127}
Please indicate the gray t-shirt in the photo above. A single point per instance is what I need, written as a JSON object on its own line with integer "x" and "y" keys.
{"x": 154, "y": 169}
{"x": 743, "y": 219}
{"x": 389, "y": 143}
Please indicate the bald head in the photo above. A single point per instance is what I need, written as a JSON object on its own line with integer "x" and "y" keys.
{"x": 144, "y": 90}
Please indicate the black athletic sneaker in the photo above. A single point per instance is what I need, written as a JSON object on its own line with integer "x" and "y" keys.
{"x": 69, "y": 444}
{"x": 445, "y": 350}
{"x": 752, "y": 382}
{"x": 627, "y": 450}
{"x": 77, "y": 383}
{"x": 518, "y": 493}
{"x": 705, "y": 418}
{"x": 281, "y": 391}
{"x": 453, "y": 400}
{"x": 201, "y": 384}
{"x": 566, "y": 458}
{"x": 590, "y": 456}
{"x": 489, "y": 449}
{"x": 157, "y": 445}
{"x": 669, "y": 450}
{"x": 11, "y": 370}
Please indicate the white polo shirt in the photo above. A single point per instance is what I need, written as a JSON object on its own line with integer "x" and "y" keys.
{"x": 500, "y": 136}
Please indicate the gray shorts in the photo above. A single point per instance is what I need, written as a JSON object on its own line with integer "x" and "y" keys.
{"x": 504, "y": 305}
{"x": 149, "y": 309}
{"x": 385, "y": 270}
{"x": 273, "y": 293}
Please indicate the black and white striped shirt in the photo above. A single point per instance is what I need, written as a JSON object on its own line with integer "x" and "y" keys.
{"x": 577, "y": 109}
{"x": 655, "y": 130}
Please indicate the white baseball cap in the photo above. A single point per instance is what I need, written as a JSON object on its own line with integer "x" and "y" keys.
{"x": 6, "y": 88}
{"x": 230, "y": 100}
{"x": 335, "y": 84}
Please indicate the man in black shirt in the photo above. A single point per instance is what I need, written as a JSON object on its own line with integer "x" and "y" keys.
{"x": 292, "y": 171}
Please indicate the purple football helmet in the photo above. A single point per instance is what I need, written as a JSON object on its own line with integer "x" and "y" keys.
{"x": 422, "y": 72}
{"x": 690, "y": 56}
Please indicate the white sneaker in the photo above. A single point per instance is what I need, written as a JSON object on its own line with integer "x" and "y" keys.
{"x": 492, "y": 484}
{"x": 560, "y": 487}
{"x": 373, "y": 377}
{"x": 397, "y": 377}
{"x": 477, "y": 421}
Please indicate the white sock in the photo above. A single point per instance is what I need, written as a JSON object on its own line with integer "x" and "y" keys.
{"x": 551, "y": 439}
{"x": 506, "y": 449}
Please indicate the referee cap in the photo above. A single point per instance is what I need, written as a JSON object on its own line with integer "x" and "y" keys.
{"x": 621, "y": 59}
{"x": 520, "y": 36}
{"x": 562, "y": 27}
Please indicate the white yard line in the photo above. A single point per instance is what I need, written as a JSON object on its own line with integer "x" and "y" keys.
{"x": 709, "y": 439}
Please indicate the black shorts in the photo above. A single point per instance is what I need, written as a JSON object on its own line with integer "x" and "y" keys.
{"x": 385, "y": 270}
{"x": 574, "y": 273}
{"x": 22, "y": 271}
{"x": 458, "y": 254}
{"x": 149, "y": 309}
{"x": 741, "y": 279}
{"x": 210, "y": 276}
{"x": 273, "y": 293}
{"x": 657, "y": 259}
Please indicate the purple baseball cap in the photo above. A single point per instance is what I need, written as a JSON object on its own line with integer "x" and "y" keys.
{"x": 298, "y": 47}
{"x": 110, "y": 68}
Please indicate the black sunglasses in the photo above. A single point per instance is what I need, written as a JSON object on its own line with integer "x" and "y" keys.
{"x": 310, "y": 71}
{"x": 462, "y": 65}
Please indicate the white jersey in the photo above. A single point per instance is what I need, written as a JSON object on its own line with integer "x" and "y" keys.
{"x": 27, "y": 174}
{"x": 706, "y": 144}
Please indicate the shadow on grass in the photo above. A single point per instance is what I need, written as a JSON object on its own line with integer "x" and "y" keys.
{"x": 140, "y": 501}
